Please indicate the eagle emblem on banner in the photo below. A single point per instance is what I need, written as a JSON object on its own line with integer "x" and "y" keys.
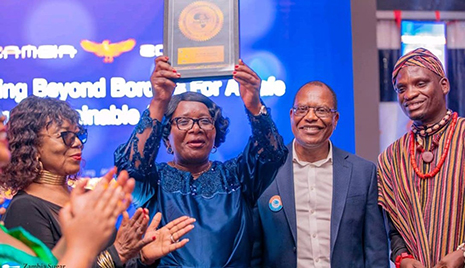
{"x": 108, "y": 50}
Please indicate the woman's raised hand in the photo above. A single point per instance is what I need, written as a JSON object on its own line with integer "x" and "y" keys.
{"x": 249, "y": 86}
{"x": 162, "y": 86}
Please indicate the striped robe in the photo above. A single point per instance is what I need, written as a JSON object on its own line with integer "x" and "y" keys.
{"x": 428, "y": 213}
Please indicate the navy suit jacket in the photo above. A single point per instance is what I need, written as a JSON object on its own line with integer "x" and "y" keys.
{"x": 358, "y": 234}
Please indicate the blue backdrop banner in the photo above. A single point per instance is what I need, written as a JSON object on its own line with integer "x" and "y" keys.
{"x": 98, "y": 56}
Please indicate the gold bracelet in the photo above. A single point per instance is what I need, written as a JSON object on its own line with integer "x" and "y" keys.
{"x": 101, "y": 260}
{"x": 104, "y": 260}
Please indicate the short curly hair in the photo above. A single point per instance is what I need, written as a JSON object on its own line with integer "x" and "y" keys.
{"x": 27, "y": 119}
{"x": 221, "y": 123}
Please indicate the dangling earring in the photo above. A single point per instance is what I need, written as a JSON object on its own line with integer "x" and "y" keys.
{"x": 169, "y": 150}
{"x": 41, "y": 166}
{"x": 214, "y": 149}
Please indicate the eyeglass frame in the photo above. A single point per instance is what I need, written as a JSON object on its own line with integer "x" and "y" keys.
{"x": 194, "y": 121}
{"x": 81, "y": 135}
{"x": 331, "y": 111}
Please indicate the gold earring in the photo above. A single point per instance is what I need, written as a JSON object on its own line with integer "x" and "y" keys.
{"x": 41, "y": 166}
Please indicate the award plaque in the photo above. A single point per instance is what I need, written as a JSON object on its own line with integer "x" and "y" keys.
{"x": 201, "y": 38}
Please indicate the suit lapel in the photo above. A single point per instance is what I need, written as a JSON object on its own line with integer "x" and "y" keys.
{"x": 285, "y": 184}
{"x": 342, "y": 174}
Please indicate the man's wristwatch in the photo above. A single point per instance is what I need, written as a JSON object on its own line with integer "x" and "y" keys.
{"x": 402, "y": 256}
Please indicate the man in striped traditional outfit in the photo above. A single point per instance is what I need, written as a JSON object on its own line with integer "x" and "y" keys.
{"x": 421, "y": 175}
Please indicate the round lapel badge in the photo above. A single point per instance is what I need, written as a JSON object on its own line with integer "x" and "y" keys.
{"x": 275, "y": 203}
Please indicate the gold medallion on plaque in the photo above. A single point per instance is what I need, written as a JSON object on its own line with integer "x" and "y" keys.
{"x": 201, "y": 21}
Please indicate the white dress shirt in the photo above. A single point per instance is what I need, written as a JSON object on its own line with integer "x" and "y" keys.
{"x": 313, "y": 188}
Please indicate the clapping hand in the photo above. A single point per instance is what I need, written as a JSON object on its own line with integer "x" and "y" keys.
{"x": 2, "y": 209}
{"x": 88, "y": 221}
{"x": 166, "y": 238}
{"x": 130, "y": 238}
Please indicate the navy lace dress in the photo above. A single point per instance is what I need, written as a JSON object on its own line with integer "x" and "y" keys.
{"x": 221, "y": 199}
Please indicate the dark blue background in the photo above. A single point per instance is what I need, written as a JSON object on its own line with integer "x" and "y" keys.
{"x": 295, "y": 41}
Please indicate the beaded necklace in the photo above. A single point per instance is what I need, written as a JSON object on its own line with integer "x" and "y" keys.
{"x": 444, "y": 154}
{"x": 424, "y": 131}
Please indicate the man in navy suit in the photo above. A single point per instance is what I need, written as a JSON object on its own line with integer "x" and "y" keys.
{"x": 321, "y": 210}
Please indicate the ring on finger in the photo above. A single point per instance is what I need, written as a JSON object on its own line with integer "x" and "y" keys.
{"x": 172, "y": 239}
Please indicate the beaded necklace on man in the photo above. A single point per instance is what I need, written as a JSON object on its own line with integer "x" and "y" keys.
{"x": 427, "y": 155}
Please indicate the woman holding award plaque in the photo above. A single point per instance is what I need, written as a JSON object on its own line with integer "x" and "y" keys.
{"x": 219, "y": 195}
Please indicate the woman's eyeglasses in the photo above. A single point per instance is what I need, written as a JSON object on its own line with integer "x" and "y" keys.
{"x": 187, "y": 123}
{"x": 69, "y": 137}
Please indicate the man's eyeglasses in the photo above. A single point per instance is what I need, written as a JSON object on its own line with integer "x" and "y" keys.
{"x": 187, "y": 123}
{"x": 69, "y": 137}
{"x": 321, "y": 112}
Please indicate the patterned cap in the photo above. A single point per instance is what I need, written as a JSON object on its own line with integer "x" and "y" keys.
{"x": 419, "y": 57}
